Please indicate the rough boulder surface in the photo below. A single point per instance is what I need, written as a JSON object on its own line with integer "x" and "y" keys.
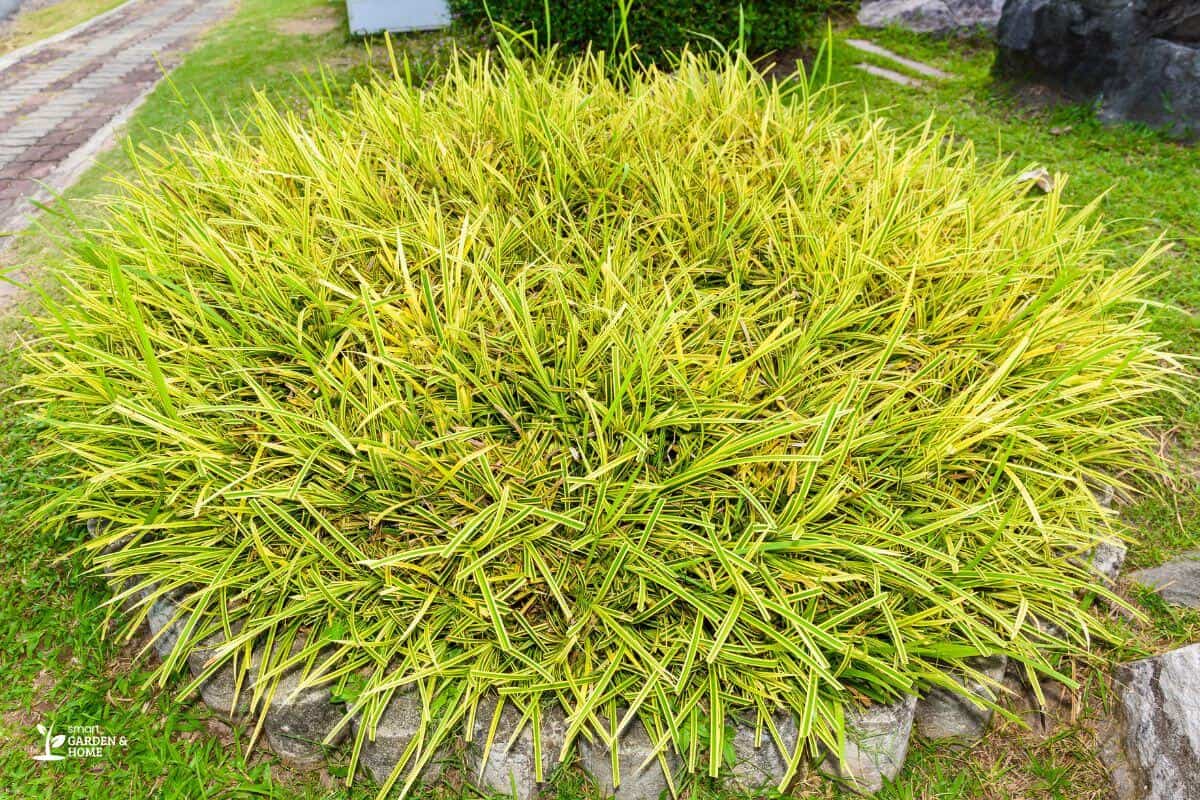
{"x": 1153, "y": 749}
{"x": 932, "y": 16}
{"x": 1140, "y": 58}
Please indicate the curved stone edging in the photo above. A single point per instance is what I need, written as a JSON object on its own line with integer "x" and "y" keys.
{"x": 298, "y": 722}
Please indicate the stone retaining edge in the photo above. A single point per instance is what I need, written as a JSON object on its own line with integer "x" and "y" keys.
{"x": 297, "y": 723}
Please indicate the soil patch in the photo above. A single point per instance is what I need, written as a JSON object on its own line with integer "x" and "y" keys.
{"x": 317, "y": 22}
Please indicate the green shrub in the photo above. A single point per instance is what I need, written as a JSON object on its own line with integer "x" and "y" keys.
{"x": 656, "y": 27}
{"x": 682, "y": 394}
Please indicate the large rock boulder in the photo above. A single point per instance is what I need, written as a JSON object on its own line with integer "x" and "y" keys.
{"x": 1153, "y": 745}
{"x": 1141, "y": 58}
{"x": 932, "y": 16}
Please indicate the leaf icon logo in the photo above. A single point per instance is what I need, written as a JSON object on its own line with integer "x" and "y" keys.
{"x": 51, "y": 741}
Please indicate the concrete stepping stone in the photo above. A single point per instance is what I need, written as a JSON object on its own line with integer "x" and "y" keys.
{"x": 1177, "y": 581}
{"x": 919, "y": 67}
{"x": 890, "y": 75}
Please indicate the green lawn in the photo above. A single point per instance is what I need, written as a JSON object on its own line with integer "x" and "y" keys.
{"x": 59, "y": 669}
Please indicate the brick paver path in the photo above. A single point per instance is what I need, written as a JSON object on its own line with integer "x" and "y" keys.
{"x": 58, "y": 100}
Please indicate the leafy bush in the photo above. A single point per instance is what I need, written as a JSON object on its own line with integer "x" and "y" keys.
{"x": 681, "y": 394}
{"x": 656, "y": 27}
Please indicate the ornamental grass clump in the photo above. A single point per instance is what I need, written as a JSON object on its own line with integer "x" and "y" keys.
{"x": 681, "y": 397}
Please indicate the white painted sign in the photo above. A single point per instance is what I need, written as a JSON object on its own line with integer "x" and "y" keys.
{"x": 376, "y": 16}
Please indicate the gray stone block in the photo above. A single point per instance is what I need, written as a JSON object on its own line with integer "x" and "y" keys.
{"x": 160, "y": 619}
{"x": 95, "y": 528}
{"x": 377, "y": 16}
{"x": 923, "y": 16}
{"x": 639, "y": 780}
{"x": 220, "y": 692}
{"x": 1107, "y": 559}
{"x": 510, "y": 767}
{"x": 1049, "y": 633}
{"x": 945, "y": 714}
{"x": 1177, "y": 581}
{"x": 766, "y": 765}
{"x": 298, "y": 720}
{"x": 1153, "y": 748}
{"x": 400, "y": 722}
{"x": 1108, "y": 556}
{"x": 876, "y": 745}
{"x": 1020, "y": 697}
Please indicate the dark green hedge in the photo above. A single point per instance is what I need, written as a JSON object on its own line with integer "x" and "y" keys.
{"x": 658, "y": 26}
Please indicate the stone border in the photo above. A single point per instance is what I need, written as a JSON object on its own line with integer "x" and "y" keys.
{"x": 298, "y": 722}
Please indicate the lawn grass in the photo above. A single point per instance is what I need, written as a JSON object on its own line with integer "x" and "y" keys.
{"x": 31, "y": 26}
{"x": 58, "y": 669}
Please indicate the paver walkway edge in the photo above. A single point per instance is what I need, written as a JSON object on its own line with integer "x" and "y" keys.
{"x": 9, "y": 59}
{"x": 63, "y": 100}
